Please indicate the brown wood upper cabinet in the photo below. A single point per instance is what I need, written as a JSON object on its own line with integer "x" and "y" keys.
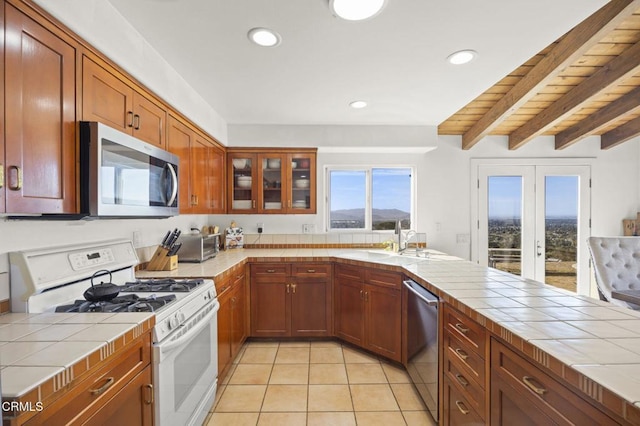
{"x": 271, "y": 181}
{"x": 368, "y": 309}
{"x": 201, "y": 169}
{"x": 38, "y": 172}
{"x": 109, "y": 99}
{"x": 291, "y": 300}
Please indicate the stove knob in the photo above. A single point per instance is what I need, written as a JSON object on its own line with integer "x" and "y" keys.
{"x": 181, "y": 316}
{"x": 174, "y": 322}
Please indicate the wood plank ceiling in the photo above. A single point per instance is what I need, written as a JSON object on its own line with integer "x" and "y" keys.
{"x": 586, "y": 83}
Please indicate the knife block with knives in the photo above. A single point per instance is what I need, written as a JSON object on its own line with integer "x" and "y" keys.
{"x": 165, "y": 257}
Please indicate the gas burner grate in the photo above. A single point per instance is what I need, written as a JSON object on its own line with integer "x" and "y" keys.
{"x": 162, "y": 285}
{"x": 127, "y": 303}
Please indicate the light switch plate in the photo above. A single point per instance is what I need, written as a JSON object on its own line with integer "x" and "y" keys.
{"x": 308, "y": 228}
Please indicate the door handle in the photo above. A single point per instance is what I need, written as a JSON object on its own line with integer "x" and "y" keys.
{"x": 1, "y": 175}
{"x": 538, "y": 248}
{"x": 462, "y": 354}
{"x": 149, "y": 401}
{"x": 104, "y": 387}
{"x": 136, "y": 122}
{"x": 293, "y": 288}
{"x": 463, "y": 408}
{"x": 18, "y": 179}
{"x": 288, "y": 288}
{"x": 130, "y": 118}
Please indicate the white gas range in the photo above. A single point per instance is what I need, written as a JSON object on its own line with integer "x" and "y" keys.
{"x": 185, "y": 357}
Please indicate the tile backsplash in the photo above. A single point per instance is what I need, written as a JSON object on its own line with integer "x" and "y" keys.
{"x": 342, "y": 240}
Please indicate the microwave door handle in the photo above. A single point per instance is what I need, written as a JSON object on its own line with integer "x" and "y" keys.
{"x": 174, "y": 184}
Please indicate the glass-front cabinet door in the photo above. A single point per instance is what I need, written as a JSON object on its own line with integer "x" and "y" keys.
{"x": 272, "y": 180}
{"x": 302, "y": 175}
{"x": 243, "y": 196}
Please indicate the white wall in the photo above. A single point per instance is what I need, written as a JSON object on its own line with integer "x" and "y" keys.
{"x": 100, "y": 24}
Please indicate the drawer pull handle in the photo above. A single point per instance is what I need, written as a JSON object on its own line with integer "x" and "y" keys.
{"x": 311, "y": 271}
{"x": 271, "y": 271}
{"x": 293, "y": 288}
{"x": 461, "y": 328}
{"x": 463, "y": 409}
{"x": 17, "y": 186}
{"x": 104, "y": 387}
{"x": 150, "y": 400}
{"x": 460, "y": 378}
{"x": 462, "y": 354}
{"x": 529, "y": 382}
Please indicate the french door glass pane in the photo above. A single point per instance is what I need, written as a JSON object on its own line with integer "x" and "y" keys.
{"x": 561, "y": 231}
{"x": 505, "y": 223}
{"x": 391, "y": 198}
{"x": 347, "y": 199}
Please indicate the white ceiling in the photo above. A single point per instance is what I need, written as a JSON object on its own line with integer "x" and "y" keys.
{"x": 395, "y": 61}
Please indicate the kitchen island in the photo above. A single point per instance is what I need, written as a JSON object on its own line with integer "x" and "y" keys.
{"x": 591, "y": 347}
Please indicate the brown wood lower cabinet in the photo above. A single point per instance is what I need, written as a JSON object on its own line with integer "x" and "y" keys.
{"x": 456, "y": 409}
{"x": 118, "y": 391}
{"x": 523, "y": 394}
{"x": 369, "y": 309}
{"x": 291, "y": 300}
{"x": 232, "y": 322}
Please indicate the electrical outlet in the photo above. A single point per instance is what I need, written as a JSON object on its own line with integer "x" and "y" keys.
{"x": 308, "y": 228}
{"x": 260, "y": 227}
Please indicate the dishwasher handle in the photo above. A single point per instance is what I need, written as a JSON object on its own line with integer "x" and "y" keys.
{"x": 425, "y": 295}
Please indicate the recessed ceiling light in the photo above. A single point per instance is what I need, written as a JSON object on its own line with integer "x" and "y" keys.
{"x": 356, "y": 10}
{"x": 264, "y": 37}
{"x": 358, "y": 104}
{"x": 462, "y": 57}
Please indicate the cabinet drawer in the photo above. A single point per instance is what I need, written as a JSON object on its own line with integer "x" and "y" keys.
{"x": 470, "y": 363}
{"x": 270, "y": 272}
{"x": 472, "y": 391}
{"x": 456, "y": 408}
{"x": 311, "y": 270}
{"x": 383, "y": 278}
{"x": 349, "y": 272}
{"x": 530, "y": 390}
{"x": 465, "y": 329}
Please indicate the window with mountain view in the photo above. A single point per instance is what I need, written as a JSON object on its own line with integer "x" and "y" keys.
{"x": 370, "y": 198}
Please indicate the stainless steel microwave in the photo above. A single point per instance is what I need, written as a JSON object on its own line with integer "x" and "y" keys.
{"x": 121, "y": 176}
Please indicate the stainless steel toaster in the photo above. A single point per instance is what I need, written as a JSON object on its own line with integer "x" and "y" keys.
{"x": 197, "y": 247}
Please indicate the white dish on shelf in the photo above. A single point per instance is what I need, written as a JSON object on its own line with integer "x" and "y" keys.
{"x": 301, "y": 183}
{"x": 241, "y": 204}
{"x": 299, "y": 204}
{"x": 272, "y": 205}
{"x": 244, "y": 181}
{"x": 273, "y": 163}
{"x": 239, "y": 163}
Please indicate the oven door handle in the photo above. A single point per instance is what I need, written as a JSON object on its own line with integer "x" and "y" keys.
{"x": 425, "y": 295}
{"x": 195, "y": 329}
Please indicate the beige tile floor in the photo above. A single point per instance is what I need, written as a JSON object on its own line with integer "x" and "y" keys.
{"x": 315, "y": 383}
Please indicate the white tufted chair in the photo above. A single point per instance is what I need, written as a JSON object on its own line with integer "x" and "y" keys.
{"x": 616, "y": 262}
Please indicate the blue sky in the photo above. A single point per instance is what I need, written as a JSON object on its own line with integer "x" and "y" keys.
{"x": 505, "y": 194}
{"x": 391, "y": 189}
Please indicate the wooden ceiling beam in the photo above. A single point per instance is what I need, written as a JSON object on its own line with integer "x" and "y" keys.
{"x": 577, "y": 41}
{"x": 620, "y": 134}
{"x": 622, "y": 66}
{"x": 621, "y": 107}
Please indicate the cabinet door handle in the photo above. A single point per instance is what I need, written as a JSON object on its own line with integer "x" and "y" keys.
{"x": 130, "y": 118}
{"x": 361, "y": 294}
{"x": 293, "y": 288}
{"x": 150, "y": 400}
{"x": 289, "y": 203}
{"x": 463, "y": 409}
{"x": 462, "y": 354}
{"x": 366, "y": 296}
{"x": 288, "y": 288}
{"x": 18, "y": 179}
{"x": 136, "y": 121}
{"x": 537, "y": 389}
{"x": 461, "y": 328}
{"x": 253, "y": 204}
{"x": 195, "y": 200}
{"x": 271, "y": 271}
{"x": 460, "y": 378}
{"x": 104, "y": 387}
{"x": 1, "y": 175}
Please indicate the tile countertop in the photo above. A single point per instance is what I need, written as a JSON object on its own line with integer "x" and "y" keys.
{"x": 36, "y": 349}
{"x": 555, "y": 327}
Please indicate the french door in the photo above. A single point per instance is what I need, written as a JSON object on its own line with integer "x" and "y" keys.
{"x": 533, "y": 221}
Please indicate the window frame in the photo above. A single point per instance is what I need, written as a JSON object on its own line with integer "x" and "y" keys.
{"x": 368, "y": 228}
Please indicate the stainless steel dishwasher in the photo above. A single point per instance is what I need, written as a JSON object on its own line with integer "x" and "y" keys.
{"x": 422, "y": 343}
